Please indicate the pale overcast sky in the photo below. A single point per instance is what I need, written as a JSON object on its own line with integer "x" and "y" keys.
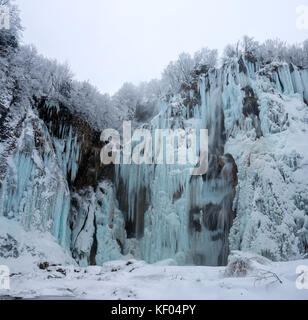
{"x": 112, "y": 41}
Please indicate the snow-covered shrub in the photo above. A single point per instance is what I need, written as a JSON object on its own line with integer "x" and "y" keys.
{"x": 238, "y": 267}
{"x": 241, "y": 264}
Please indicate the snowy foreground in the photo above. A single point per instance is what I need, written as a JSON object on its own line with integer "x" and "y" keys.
{"x": 138, "y": 280}
{"x": 41, "y": 269}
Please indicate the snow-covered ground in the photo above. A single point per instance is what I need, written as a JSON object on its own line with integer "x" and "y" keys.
{"x": 138, "y": 280}
{"x": 248, "y": 276}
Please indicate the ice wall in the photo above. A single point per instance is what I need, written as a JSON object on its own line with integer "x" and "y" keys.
{"x": 248, "y": 112}
{"x": 272, "y": 192}
{"x": 253, "y": 197}
{"x": 98, "y": 226}
{"x": 173, "y": 214}
{"x": 34, "y": 189}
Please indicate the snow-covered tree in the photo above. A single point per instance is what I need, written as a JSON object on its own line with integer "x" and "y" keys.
{"x": 205, "y": 57}
{"x": 9, "y": 37}
{"x": 250, "y": 47}
{"x": 273, "y": 50}
{"x": 179, "y": 72}
{"x": 126, "y": 100}
{"x": 231, "y": 51}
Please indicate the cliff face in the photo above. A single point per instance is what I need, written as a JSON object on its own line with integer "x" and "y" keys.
{"x": 51, "y": 176}
{"x": 253, "y": 197}
{"x": 271, "y": 197}
{"x": 81, "y": 151}
{"x": 33, "y": 188}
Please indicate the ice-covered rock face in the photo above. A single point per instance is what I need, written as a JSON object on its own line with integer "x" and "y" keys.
{"x": 77, "y": 145}
{"x": 33, "y": 188}
{"x": 98, "y": 226}
{"x": 48, "y": 157}
{"x": 256, "y": 173}
{"x": 272, "y": 192}
{"x": 254, "y": 196}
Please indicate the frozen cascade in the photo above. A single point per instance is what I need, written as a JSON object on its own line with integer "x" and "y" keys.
{"x": 65, "y": 141}
{"x": 189, "y": 218}
{"x": 98, "y": 226}
{"x": 34, "y": 190}
{"x": 252, "y": 198}
{"x": 172, "y": 213}
{"x": 269, "y": 219}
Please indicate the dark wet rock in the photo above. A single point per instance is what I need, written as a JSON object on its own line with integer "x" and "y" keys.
{"x": 242, "y": 67}
{"x": 217, "y": 217}
{"x": 178, "y": 194}
{"x": 194, "y": 219}
{"x": 90, "y": 169}
{"x": 211, "y": 215}
{"x": 62, "y": 271}
{"x": 250, "y": 57}
{"x": 94, "y": 245}
{"x": 43, "y": 265}
{"x": 8, "y": 247}
{"x": 250, "y": 106}
{"x": 203, "y": 69}
{"x": 134, "y": 225}
{"x": 251, "y": 109}
{"x": 250, "y": 103}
